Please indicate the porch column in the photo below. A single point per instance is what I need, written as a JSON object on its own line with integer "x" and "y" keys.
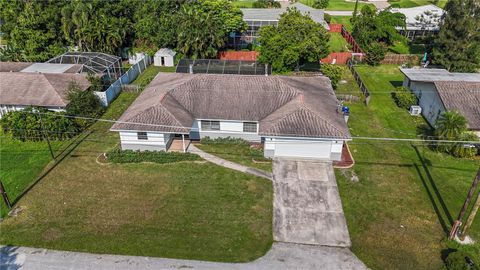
{"x": 183, "y": 143}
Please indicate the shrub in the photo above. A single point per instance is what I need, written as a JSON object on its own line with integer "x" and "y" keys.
{"x": 404, "y": 97}
{"x": 266, "y": 4}
{"x": 333, "y": 72}
{"x": 83, "y": 103}
{"x": 375, "y": 53}
{"x": 129, "y": 156}
{"x": 227, "y": 140}
{"x": 320, "y": 4}
{"x": 26, "y": 125}
{"x": 463, "y": 150}
{"x": 327, "y": 17}
{"x": 458, "y": 261}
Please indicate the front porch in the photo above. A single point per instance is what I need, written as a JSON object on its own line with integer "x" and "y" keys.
{"x": 179, "y": 143}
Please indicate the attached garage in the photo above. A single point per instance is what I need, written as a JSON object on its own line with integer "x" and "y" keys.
{"x": 303, "y": 148}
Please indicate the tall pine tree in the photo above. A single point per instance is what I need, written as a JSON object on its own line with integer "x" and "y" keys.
{"x": 457, "y": 46}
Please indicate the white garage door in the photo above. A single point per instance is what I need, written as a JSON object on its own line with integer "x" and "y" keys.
{"x": 306, "y": 149}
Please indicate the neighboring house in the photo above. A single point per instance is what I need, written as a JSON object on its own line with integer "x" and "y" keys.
{"x": 164, "y": 58}
{"x": 37, "y": 84}
{"x": 420, "y": 21}
{"x": 291, "y": 116}
{"x": 438, "y": 90}
{"x": 258, "y": 17}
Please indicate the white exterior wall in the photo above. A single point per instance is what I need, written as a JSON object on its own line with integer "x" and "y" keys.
{"x": 303, "y": 148}
{"x": 10, "y": 108}
{"x": 155, "y": 142}
{"x": 228, "y": 128}
{"x": 169, "y": 60}
{"x": 428, "y": 99}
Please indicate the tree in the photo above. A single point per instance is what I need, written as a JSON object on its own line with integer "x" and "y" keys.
{"x": 83, "y": 103}
{"x": 266, "y": 4}
{"x": 457, "y": 46}
{"x": 375, "y": 53}
{"x": 203, "y": 27}
{"x": 320, "y": 4}
{"x": 297, "y": 39}
{"x": 333, "y": 72}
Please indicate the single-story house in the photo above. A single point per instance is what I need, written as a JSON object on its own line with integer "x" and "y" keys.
{"x": 23, "y": 85}
{"x": 420, "y": 21}
{"x": 438, "y": 90}
{"x": 291, "y": 116}
{"x": 258, "y": 17}
{"x": 164, "y": 58}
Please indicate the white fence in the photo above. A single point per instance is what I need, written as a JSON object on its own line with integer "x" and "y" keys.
{"x": 113, "y": 91}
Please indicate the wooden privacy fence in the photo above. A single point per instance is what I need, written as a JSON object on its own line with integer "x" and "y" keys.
{"x": 359, "y": 81}
{"x": 335, "y": 27}
{"x": 349, "y": 38}
{"x": 399, "y": 59}
{"x": 340, "y": 58}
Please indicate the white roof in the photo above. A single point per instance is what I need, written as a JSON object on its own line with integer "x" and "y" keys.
{"x": 426, "y": 17}
{"x": 47, "y": 68}
{"x": 273, "y": 14}
{"x": 165, "y": 52}
{"x": 438, "y": 75}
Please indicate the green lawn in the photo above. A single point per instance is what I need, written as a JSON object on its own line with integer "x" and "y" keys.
{"x": 149, "y": 74}
{"x": 243, "y": 3}
{"x": 239, "y": 153}
{"x": 416, "y": 3}
{"x": 345, "y": 20}
{"x": 401, "y": 209}
{"x": 347, "y": 85}
{"x": 21, "y": 163}
{"x": 407, "y": 48}
{"x": 338, "y": 4}
{"x": 337, "y": 43}
{"x": 190, "y": 210}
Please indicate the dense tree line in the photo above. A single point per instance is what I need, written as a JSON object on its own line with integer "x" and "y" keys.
{"x": 38, "y": 30}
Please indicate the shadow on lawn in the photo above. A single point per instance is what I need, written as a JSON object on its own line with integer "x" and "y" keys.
{"x": 396, "y": 83}
{"x": 433, "y": 192}
{"x": 9, "y": 258}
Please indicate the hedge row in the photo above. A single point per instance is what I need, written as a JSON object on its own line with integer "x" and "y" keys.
{"x": 227, "y": 140}
{"x": 129, "y": 156}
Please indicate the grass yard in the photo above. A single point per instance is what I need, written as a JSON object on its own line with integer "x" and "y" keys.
{"x": 416, "y": 3}
{"x": 337, "y": 43}
{"x": 338, "y": 4}
{"x": 345, "y": 20}
{"x": 347, "y": 85}
{"x": 407, "y": 48}
{"x": 239, "y": 153}
{"x": 243, "y": 3}
{"x": 190, "y": 210}
{"x": 402, "y": 207}
{"x": 149, "y": 74}
{"x": 21, "y": 163}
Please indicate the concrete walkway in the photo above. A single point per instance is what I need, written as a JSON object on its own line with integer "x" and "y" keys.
{"x": 228, "y": 164}
{"x": 281, "y": 256}
{"x": 307, "y": 205}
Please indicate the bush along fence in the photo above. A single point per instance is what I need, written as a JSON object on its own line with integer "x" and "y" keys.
{"x": 342, "y": 58}
{"x": 399, "y": 59}
{"x": 359, "y": 81}
{"x": 112, "y": 92}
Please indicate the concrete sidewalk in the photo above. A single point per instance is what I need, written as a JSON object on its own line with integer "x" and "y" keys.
{"x": 228, "y": 164}
{"x": 281, "y": 256}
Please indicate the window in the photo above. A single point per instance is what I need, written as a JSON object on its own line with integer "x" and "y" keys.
{"x": 142, "y": 136}
{"x": 250, "y": 127}
{"x": 210, "y": 125}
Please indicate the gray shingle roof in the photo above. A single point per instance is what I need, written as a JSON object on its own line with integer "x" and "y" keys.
{"x": 283, "y": 106}
{"x": 39, "y": 89}
{"x": 165, "y": 52}
{"x": 463, "y": 97}
{"x": 13, "y": 66}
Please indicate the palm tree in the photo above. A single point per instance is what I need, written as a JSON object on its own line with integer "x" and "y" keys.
{"x": 450, "y": 125}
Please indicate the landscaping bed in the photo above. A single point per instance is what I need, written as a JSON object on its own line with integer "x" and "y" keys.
{"x": 400, "y": 199}
{"x": 128, "y": 156}
{"x": 191, "y": 211}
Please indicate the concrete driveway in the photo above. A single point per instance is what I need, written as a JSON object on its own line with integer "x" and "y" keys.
{"x": 307, "y": 206}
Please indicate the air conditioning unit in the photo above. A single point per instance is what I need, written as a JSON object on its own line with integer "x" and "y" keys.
{"x": 415, "y": 110}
